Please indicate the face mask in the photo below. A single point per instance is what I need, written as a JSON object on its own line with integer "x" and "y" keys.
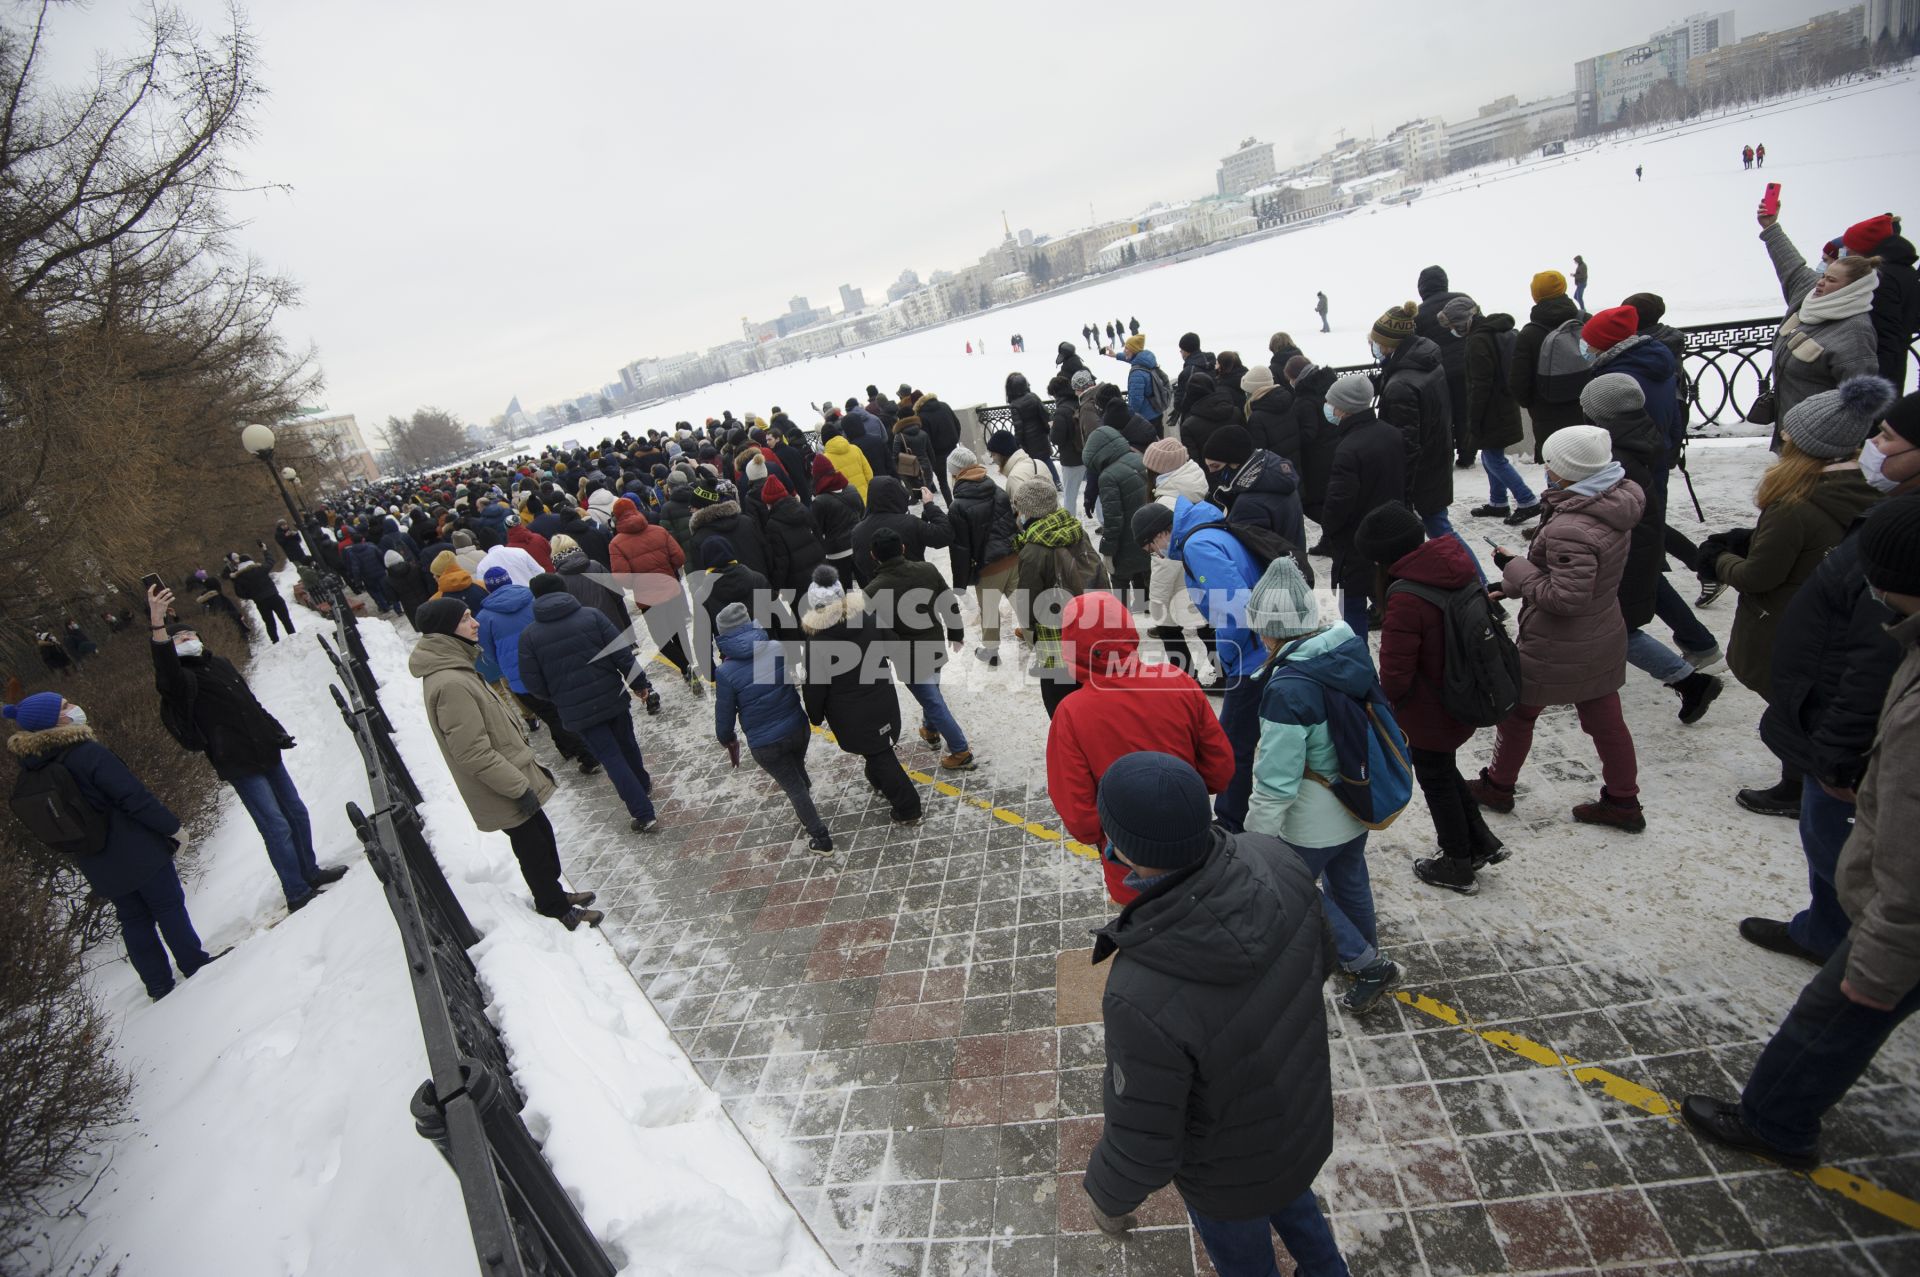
{"x": 1379, "y": 355}
{"x": 1586, "y": 351}
{"x": 1326, "y": 410}
{"x": 1872, "y": 463}
{"x": 192, "y": 647}
{"x": 76, "y": 716}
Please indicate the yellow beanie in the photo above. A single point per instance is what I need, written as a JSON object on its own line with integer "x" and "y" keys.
{"x": 1135, "y": 344}
{"x": 1549, "y": 283}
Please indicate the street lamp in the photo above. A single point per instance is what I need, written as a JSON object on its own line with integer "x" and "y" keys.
{"x": 292, "y": 476}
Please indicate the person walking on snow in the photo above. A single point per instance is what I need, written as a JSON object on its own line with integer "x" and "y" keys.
{"x": 912, "y": 600}
{"x": 1579, "y": 281}
{"x": 751, "y": 687}
{"x": 1320, "y": 309}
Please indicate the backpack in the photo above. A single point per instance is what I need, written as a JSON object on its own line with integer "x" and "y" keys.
{"x": 1263, "y": 543}
{"x": 1562, "y": 373}
{"x": 1482, "y": 680}
{"x": 1159, "y": 390}
{"x": 178, "y": 720}
{"x": 1375, "y": 781}
{"x": 47, "y": 800}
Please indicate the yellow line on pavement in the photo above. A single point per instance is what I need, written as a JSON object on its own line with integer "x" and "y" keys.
{"x": 1881, "y": 1201}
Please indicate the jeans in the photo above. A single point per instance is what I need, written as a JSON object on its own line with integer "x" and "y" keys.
{"x": 1437, "y": 526}
{"x": 1347, "y": 892}
{"x": 378, "y": 594}
{"x": 1815, "y": 1056}
{"x": 539, "y": 856}
{"x": 156, "y": 910}
{"x": 1457, "y": 824}
{"x": 281, "y": 818}
{"x": 1580, "y": 298}
{"x": 1240, "y": 719}
{"x": 613, "y": 744}
{"x": 1599, "y": 718}
{"x": 1353, "y": 598}
{"x": 1650, "y": 656}
{"x": 786, "y": 761}
{"x": 1677, "y": 616}
{"x": 1825, "y": 822}
{"x": 885, "y": 774}
{"x": 1502, "y": 478}
{"x": 935, "y": 714}
{"x": 1053, "y": 470}
{"x": 1070, "y": 493}
{"x": 1244, "y": 1247}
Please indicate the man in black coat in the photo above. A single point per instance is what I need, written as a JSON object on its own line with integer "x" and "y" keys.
{"x": 1192, "y": 360}
{"x": 1217, "y": 1075}
{"x": 1031, "y": 425}
{"x": 943, "y": 432}
{"x": 1434, "y": 294}
{"x": 887, "y": 505}
{"x": 850, "y": 691}
{"x": 1412, "y": 385}
{"x": 209, "y": 709}
{"x": 1896, "y": 302}
{"x": 1318, "y": 438}
{"x": 253, "y": 582}
{"x": 718, "y": 512}
{"x": 290, "y": 543}
{"x": 1069, "y": 360}
{"x": 1368, "y": 471}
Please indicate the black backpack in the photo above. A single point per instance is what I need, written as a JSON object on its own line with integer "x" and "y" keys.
{"x": 1263, "y": 543}
{"x": 177, "y": 718}
{"x": 1482, "y": 680}
{"x": 48, "y": 801}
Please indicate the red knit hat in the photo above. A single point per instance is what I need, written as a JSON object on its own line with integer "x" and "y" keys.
{"x": 1611, "y": 327}
{"x": 773, "y": 491}
{"x": 1864, "y": 237}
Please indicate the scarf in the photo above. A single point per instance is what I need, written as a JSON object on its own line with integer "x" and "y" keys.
{"x": 1600, "y": 480}
{"x": 1842, "y": 303}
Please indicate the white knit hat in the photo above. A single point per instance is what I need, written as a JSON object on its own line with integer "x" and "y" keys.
{"x": 1578, "y": 452}
{"x": 960, "y": 458}
{"x": 826, "y": 589}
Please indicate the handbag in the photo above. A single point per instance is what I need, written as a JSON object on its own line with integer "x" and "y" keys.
{"x": 1764, "y": 411}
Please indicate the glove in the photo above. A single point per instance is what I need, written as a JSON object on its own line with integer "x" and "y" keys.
{"x": 1113, "y": 1225}
{"x": 733, "y": 749}
{"x": 1087, "y": 499}
{"x": 1706, "y": 564}
{"x": 528, "y": 803}
{"x": 1738, "y": 540}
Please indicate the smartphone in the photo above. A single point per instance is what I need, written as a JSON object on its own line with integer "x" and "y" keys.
{"x": 1770, "y": 202}
{"x": 1493, "y": 544}
{"x": 151, "y": 581}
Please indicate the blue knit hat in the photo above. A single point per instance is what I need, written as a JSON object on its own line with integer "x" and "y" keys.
{"x": 1154, "y": 810}
{"x": 35, "y": 713}
{"x": 496, "y": 577}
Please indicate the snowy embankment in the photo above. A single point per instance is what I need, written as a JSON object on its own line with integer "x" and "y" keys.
{"x": 271, "y": 1131}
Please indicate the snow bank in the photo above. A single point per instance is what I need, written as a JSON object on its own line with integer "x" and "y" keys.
{"x": 271, "y": 1132}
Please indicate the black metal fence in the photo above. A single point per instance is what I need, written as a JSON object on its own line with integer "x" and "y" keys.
{"x": 523, "y": 1223}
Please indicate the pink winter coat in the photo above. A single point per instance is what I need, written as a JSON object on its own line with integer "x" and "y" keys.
{"x": 1572, "y": 639}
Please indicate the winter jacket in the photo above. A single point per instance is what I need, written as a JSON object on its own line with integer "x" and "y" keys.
{"x": 1413, "y": 643}
{"x": 851, "y": 462}
{"x": 909, "y": 436}
{"x": 521, "y": 537}
{"x": 366, "y": 566}
{"x": 751, "y": 685}
{"x": 1896, "y": 308}
{"x": 1064, "y": 432}
{"x": 1522, "y": 371}
{"x": 485, "y": 750}
{"x": 577, "y": 572}
{"x": 676, "y": 516}
{"x": 1412, "y": 386}
{"x": 206, "y": 690}
{"x": 253, "y": 582}
{"x": 1789, "y": 541}
{"x": 1120, "y": 476}
{"x": 1652, "y": 367}
{"x": 1265, "y": 491}
{"x": 1139, "y": 383}
{"x": 409, "y": 584}
{"x": 874, "y": 440}
{"x": 1832, "y": 662}
{"x": 1811, "y": 357}
{"x": 1031, "y": 425}
{"x": 1087, "y": 413}
{"x": 508, "y": 613}
{"x": 1878, "y": 877}
{"x": 887, "y": 508}
{"x": 1206, "y": 414}
{"x": 1434, "y": 295}
{"x": 1273, "y": 424}
{"x": 1167, "y": 597}
{"x": 578, "y": 659}
{"x": 1057, "y": 563}
{"x": 1219, "y": 573}
{"x": 727, "y": 519}
{"x": 490, "y": 525}
{"x": 942, "y": 426}
{"x": 590, "y": 536}
{"x": 1216, "y": 1039}
{"x": 1020, "y": 466}
{"x": 140, "y": 829}
{"x": 798, "y": 463}
{"x": 519, "y": 566}
{"x": 835, "y": 515}
{"x": 1183, "y": 391}
{"x": 851, "y": 690}
{"x": 1492, "y": 416}
{"x": 1368, "y": 470}
{"x": 1572, "y": 640}
{"x": 457, "y": 583}
{"x": 647, "y": 558}
{"x": 1641, "y": 450}
{"x": 1124, "y": 704}
{"x": 1069, "y": 362}
{"x": 914, "y": 603}
{"x": 1295, "y": 739}
{"x": 983, "y": 525}
{"x": 793, "y": 544}
{"x": 1318, "y": 438}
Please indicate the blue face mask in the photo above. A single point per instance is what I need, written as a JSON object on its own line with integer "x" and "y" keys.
{"x": 1326, "y": 410}
{"x": 1379, "y": 355}
{"x": 1586, "y": 352}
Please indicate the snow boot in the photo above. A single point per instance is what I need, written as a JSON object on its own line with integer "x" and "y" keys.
{"x": 930, "y": 736}
{"x": 1719, "y": 1122}
{"x": 1370, "y": 985}
{"x": 1614, "y": 813}
{"x": 960, "y": 762}
{"x": 328, "y": 876}
{"x": 653, "y": 702}
{"x": 1489, "y": 793}
{"x": 1778, "y": 800}
{"x": 1449, "y": 872}
{"x": 1525, "y": 514}
{"x": 1490, "y": 511}
{"x": 907, "y": 822}
{"x": 1774, "y": 936}
{"x": 1697, "y": 691}
{"x": 640, "y": 826}
{"x": 589, "y": 765}
{"x": 821, "y": 842}
{"x": 295, "y": 906}
{"x": 576, "y": 915}
{"x": 580, "y": 899}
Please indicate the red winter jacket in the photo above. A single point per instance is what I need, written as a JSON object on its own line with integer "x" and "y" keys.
{"x": 647, "y": 557}
{"x": 1413, "y": 645}
{"x": 1124, "y": 705}
{"x": 522, "y": 537}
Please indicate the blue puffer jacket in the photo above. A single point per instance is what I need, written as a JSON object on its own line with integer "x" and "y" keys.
{"x": 1139, "y": 381}
{"x": 490, "y": 525}
{"x": 366, "y": 565}
{"x": 508, "y": 612}
{"x": 751, "y": 684}
{"x": 1220, "y": 572}
{"x": 139, "y": 828}
{"x": 561, "y": 661}
{"x": 1652, "y": 366}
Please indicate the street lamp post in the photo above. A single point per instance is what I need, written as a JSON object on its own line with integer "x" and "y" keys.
{"x": 299, "y": 495}
{"x": 258, "y": 440}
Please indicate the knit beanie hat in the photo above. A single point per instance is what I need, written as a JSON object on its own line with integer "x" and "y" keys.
{"x": 462, "y": 540}
{"x": 1904, "y": 417}
{"x": 1548, "y": 283}
{"x": 887, "y": 544}
{"x": 732, "y": 617}
{"x": 756, "y": 468}
{"x": 1834, "y": 423}
{"x": 717, "y": 552}
{"x": 561, "y": 543}
{"x": 1117, "y": 414}
{"x": 1258, "y": 378}
{"x": 1035, "y": 496}
{"x": 496, "y": 577}
{"x": 394, "y": 558}
{"x": 1296, "y": 368}
{"x": 1889, "y": 547}
{"x": 1651, "y": 307}
{"x": 1578, "y": 452}
{"x": 546, "y": 583}
{"x": 678, "y": 478}
{"x": 773, "y": 491}
{"x": 1134, "y": 344}
{"x": 1190, "y": 343}
{"x": 1154, "y": 809}
{"x": 1281, "y": 604}
{"x": 826, "y": 589}
{"x": 1458, "y": 311}
{"x": 1229, "y": 444}
{"x": 36, "y": 713}
{"x": 1001, "y": 443}
{"x": 1081, "y": 380}
{"x": 1389, "y": 533}
{"x": 961, "y": 458}
{"x": 1395, "y": 326}
{"x": 439, "y": 616}
{"x": 1611, "y": 396}
{"x": 1352, "y": 393}
{"x": 1149, "y": 521}
{"x": 1610, "y": 327}
{"x": 1164, "y": 456}
{"x": 1862, "y": 238}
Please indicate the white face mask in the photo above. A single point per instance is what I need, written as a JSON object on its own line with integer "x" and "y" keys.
{"x": 1326, "y": 410}
{"x": 1586, "y": 352}
{"x": 1872, "y": 465}
{"x": 191, "y": 647}
{"x": 1379, "y": 355}
{"x": 76, "y": 716}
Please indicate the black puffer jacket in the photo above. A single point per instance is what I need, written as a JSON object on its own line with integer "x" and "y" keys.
{"x": 1064, "y": 433}
{"x": 1832, "y": 662}
{"x": 1278, "y": 363}
{"x": 206, "y": 690}
{"x": 943, "y": 428}
{"x": 983, "y": 527}
{"x": 1547, "y": 417}
{"x": 575, "y": 657}
{"x": 1493, "y": 418}
{"x": 1031, "y": 425}
{"x": 1896, "y": 308}
{"x": 1317, "y": 438}
{"x": 853, "y": 695}
{"x": 1069, "y": 360}
{"x": 1640, "y": 450}
{"x": 1217, "y": 1076}
{"x": 836, "y": 514}
{"x": 1369, "y": 469}
{"x": 1434, "y": 294}
{"x": 577, "y": 572}
{"x": 1273, "y": 425}
{"x": 887, "y": 508}
{"x": 1266, "y": 491}
{"x": 1413, "y": 396}
{"x": 794, "y": 547}
{"x": 726, "y": 519}
{"x": 1208, "y": 409}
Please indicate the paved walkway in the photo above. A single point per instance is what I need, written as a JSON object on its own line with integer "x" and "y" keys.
{"x": 884, "y": 1025}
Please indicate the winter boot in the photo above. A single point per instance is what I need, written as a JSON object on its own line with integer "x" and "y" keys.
{"x": 1697, "y": 691}
{"x": 640, "y": 826}
{"x": 960, "y": 762}
{"x": 589, "y": 765}
{"x": 1490, "y": 793}
{"x": 1719, "y": 1122}
{"x": 653, "y": 702}
{"x": 1615, "y": 813}
{"x": 575, "y": 916}
{"x": 907, "y": 822}
{"x": 580, "y": 899}
{"x": 1707, "y": 660}
{"x": 1776, "y": 937}
{"x": 1781, "y": 799}
{"x": 821, "y": 842}
{"x": 1370, "y": 985}
{"x": 331, "y": 874}
{"x": 1525, "y": 514}
{"x": 1449, "y": 872}
{"x": 930, "y": 736}
{"x": 1490, "y": 511}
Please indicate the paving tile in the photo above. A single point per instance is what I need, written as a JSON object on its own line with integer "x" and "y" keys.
{"x": 1457, "y": 1240}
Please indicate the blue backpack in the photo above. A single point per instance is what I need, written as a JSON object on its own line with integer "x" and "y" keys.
{"x": 1375, "y": 781}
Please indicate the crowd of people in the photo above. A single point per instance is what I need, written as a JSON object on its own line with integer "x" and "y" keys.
{"x": 1141, "y": 552}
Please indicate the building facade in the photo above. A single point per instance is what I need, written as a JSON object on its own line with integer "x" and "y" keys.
{"x": 1603, "y": 84}
{"x": 1246, "y": 168}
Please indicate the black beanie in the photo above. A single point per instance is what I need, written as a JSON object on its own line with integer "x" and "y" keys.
{"x": 1154, "y": 810}
{"x": 1230, "y": 444}
{"x": 439, "y": 616}
{"x": 1116, "y": 414}
{"x": 1149, "y": 521}
{"x": 887, "y": 544}
{"x": 717, "y": 552}
{"x": 1389, "y": 533}
{"x": 546, "y": 583}
{"x": 1890, "y": 546}
{"x": 1904, "y": 417}
{"x": 1651, "y": 307}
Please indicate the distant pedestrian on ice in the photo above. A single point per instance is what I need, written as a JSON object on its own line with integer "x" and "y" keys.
{"x": 1746, "y": 157}
{"x": 1639, "y": 173}
{"x": 1320, "y": 309}
{"x": 1580, "y": 282}
{"x": 1760, "y": 155}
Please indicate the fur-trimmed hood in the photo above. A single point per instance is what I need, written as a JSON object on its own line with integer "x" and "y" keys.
{"x": 50, "y": 741}
{"x": 845, "y": 608}
{"x": 710, "y": 514}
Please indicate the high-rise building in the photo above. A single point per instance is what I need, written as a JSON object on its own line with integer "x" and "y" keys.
{"x": 1603, "y": 84}
{"x": 1894, "y": 19}
{"x": 852, "y": 299}
{"x": 1246, "y": 168}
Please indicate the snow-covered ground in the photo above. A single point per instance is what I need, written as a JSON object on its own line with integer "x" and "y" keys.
{"x": 270, "y": 1130}
{"x": 1685, "y": 232}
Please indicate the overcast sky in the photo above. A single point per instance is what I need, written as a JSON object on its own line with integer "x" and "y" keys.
{"x": 490, "y": 199}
